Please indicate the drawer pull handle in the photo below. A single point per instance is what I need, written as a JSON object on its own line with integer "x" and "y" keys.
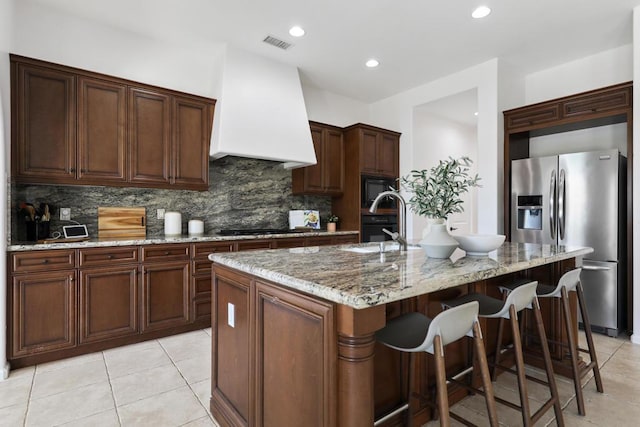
{"x": 167, "y": 253}
{"x": 45, "y": 261}
{"x": 110, "y": 256}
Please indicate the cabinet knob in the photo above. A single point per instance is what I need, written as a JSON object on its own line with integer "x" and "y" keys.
{"x": 45, "y": 261}
{"x": 167, "y": 252}
{"x": 71, "y": 279}
{"x": 72, "y": 170}
{"x": 110, "y": 256}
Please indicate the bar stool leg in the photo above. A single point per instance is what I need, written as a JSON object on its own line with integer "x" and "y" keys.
{"x": 441, "y": 382}
{"x": 589, "y": 335}
{"x": 522, "y": 379}
{"x": 484, "y": 373}
{"x": 557, "y": 408}
{"x": 573, "y": 351}
{"x": 496, "y": 357}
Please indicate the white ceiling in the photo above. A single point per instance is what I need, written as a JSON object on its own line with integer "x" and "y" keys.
{"x": 416, "y": 41}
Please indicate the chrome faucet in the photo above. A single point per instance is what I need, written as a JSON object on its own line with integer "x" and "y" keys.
{"x": 401, "y": 237}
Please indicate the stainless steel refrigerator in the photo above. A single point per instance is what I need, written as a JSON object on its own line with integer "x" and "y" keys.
{"x": 579, "y": 199}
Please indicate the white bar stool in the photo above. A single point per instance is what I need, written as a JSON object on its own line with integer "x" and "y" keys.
{"x": 414, "y": 332}
{"x": 569, "y": 282}
{"x": 517, "y": 300}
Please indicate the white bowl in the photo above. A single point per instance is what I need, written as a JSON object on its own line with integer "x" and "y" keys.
{"x": 479, "y": 244}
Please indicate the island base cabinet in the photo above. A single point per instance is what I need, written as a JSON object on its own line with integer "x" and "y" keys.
{"x": 274, "y": 355}
{"x": 44, "y": 312}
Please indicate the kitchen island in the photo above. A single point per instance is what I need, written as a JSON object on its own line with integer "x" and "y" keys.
{"x": 293, "y": 329}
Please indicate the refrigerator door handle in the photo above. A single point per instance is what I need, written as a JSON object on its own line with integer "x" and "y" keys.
{"x": 561, "y": 196}
{"x": 595, "y": 268}
{"x": 552, "y": 201}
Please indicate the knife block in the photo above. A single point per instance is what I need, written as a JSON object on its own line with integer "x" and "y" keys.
{"x": 37, "y": 230}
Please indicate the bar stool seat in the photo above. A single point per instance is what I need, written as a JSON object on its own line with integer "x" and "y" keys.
{"x": 415, "y": 332}
{"x": 517, "y": 300}
{"x": 570, "y": 282}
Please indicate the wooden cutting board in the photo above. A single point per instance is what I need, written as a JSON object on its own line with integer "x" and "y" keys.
{"x": 122, "y": 222}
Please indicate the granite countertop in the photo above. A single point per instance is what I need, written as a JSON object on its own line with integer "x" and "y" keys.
{"x": 365, "y": 279}
{"x": 153, "y": 240}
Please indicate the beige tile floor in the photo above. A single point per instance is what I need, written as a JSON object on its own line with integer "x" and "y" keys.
{"x": 166, "y": 382}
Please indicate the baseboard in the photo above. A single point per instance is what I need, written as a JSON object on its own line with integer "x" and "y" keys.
{"x": 5, "y": 372}
{"x": 635, "y": 338}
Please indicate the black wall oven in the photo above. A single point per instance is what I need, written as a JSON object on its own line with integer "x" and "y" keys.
{"x": 372, "y": 186}
{"x": 372, "y": 226}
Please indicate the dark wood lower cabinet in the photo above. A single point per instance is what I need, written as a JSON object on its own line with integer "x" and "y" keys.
{"x": 108, "y": 303}
{"x": 165, "y": 295}
{"x": 44, "y": 312}
{"x": 68, "y": 302}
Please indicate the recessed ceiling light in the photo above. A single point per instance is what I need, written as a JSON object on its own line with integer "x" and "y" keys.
{"x": 372, "y": 63}
{"x": 481, "y": 12}
{"x": 475, "y": 114}
{"x": 296, "y": 31}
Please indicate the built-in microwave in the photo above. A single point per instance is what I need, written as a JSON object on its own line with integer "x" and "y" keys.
{"x": 374, "y": 185}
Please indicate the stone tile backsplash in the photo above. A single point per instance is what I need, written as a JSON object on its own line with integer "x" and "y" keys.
{"x": 243, "y": 193}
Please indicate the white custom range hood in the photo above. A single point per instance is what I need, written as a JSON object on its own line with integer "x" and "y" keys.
{"x": 260, "y": 112}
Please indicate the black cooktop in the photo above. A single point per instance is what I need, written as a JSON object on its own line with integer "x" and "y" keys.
{"x": 254, "y": 231}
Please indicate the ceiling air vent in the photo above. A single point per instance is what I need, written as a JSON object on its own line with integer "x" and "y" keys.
{"x": 277, "y": 42}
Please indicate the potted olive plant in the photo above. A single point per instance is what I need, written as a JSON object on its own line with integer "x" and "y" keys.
{"x": 436, "y": 194}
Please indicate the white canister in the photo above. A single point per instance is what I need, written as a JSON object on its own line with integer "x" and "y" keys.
{"x": 172, "y": 223}
{"x": 196, "y": 227}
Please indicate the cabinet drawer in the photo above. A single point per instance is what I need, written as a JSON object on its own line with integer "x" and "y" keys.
{"x": 597, "y": 103}
{"x": 165, "y": 252}
{"x": 528, "y": 117}
{"x": 106, "y": 256}
{"x": 288, "y": 243}
{"x": 247, "y": 245}
{"x": 202, "y": 267}
{"x": 22, "y": 262}
{"x": 202, "y": 250}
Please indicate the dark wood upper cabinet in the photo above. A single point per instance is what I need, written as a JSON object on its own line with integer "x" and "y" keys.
{"x": 327, "y": 175}
{"x": 44, "y": 123}
{"x": 149, "y": 136}
{"x": 77, "y": 127}
{"x": 102, "y": 113}
{"x": 191, "y": 134}
{"x": 379, "y": 150}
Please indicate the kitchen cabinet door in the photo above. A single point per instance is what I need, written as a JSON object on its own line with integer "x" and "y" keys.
{"x": 44, "y": 123}
{"x": 388, "y": 155}
{"x": 327, "y": 175}
{"x": 369, "y": 152}
{"x": 165, "y": 295}
{"x": 295, "y": 356}
{"x": 191, "y": 134}
{"x": 108, "y": 302}
{"x": 44, "y": 312}
{"x": 149, "y": 137}
{"x": 102, "y": 108}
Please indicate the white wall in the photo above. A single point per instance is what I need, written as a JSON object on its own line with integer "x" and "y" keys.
{"x": 6, "y": 26}
{"x": 436, "y": 138}
{"x": 333, "y": 109}
{"x": 397, "y": 113}
{"x": 44, "y": 33}
{"x": 592, "y": 72}
{"x": 591, "y": 139}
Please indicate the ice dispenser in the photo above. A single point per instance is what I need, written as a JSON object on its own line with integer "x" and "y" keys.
{"x": 530, "y": 212}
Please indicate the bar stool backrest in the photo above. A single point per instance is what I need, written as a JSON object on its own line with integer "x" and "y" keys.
{"x": 521, "y": 298}
{"x": 451, "y": 325}
{"x": 568, "y": 280}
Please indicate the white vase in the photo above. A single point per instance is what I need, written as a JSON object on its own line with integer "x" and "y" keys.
{"x": 438, "y": 243}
